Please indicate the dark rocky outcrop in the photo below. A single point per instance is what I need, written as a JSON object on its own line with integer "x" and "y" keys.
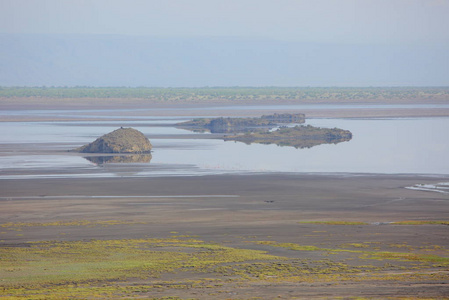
{"x": 234, "y": 125}
{"x": 298, "y": 136}
{"x": 260, "y": 130}
{"x": 122, "y": 140}
{"x": 285, "y": 118}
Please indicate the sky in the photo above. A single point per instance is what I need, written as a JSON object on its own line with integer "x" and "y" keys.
{"x": 318, "y": 21}
{"x": 224, "y": 43}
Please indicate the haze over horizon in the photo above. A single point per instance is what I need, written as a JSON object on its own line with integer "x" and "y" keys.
{"x": 232, "y": 43}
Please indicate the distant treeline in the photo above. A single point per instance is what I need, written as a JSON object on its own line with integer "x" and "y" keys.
{"x": 231, "y": 93}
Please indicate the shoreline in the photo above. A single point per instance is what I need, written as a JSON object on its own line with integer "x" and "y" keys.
{"x": 319, "y": 192}
{"x": 59, "y": 175}
{"x": 334, "y": 234}
{"x": 141, "y": 109}
{"x": 310, "y": 114}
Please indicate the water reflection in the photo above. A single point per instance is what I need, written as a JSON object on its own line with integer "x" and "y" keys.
{"x": 297, "y": 143}
{"x": 117, "y": 159}
{"x": 299, "y": 137}
{"x": 401, "y": 145}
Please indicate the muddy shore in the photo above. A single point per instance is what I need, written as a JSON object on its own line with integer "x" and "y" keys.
{"x": 242, "y": 210}
{"x": 239, "y": 210}
{"x": 225, "y": 201}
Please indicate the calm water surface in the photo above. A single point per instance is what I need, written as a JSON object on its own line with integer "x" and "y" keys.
{"x": 418, "y": 145}
{"x": 121, "y": 112}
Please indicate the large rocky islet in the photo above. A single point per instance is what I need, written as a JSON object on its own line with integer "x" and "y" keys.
{"x": 122, "y": 140}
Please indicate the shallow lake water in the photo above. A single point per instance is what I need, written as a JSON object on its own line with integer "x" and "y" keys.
{"x": 378, "y": 146}
{"x": 399, "y": 145}
{"x": 134, "y": 113}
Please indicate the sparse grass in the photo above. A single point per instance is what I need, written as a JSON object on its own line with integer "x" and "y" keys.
{"x": 139, "y": 268}
{"x": 39, "y": 266}
{"x": 356, "y": 245}
{"x": 365, "y": 254}
{"x": 421, "y": 223}
{"x": 407, "y": 257}
{"x": 290, "y": 246}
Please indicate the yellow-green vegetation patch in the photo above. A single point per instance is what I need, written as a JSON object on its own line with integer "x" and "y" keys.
{"x": 295, "y": 270}
{"x": 296, "y": 247}
{"x": 333, "y": 222}
{"x": 356, "y": 245}
{"x": 365, "y": 254}
{"x": 95, "y": 291}
{"x": 38, "y": 266}
{"x": 184, "y": 236}
{"x": 421, "y": 223}
{"x": 380, "y": 255}
{"x": 290, "y": 246}
{"x": 140, "y": 267}
{"x": 69, "y": 223}
{"x": 406, "y": 257}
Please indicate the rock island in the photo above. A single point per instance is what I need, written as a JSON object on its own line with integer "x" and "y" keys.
{"x": 122, "y": 140}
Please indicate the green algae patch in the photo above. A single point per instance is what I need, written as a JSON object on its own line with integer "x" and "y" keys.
{"x": 170, "y": 266}
{"x": 406, "y": 257}
{"x": 34, "y": 267}
{"x": 365, "y": 254}
{"x": 290, "y": 246}
{"x": 421, "y": 223}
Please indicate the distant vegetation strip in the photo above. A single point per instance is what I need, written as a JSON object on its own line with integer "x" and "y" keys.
{"x": 233, "y": 93}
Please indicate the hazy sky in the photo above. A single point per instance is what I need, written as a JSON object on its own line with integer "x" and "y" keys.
{"x": 347, "y": 21}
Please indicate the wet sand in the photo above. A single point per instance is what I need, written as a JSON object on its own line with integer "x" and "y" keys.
{"x": 236, "y": 210}
{"x": 225, "y": 201}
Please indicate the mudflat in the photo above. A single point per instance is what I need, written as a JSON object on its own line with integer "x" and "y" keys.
{"x": 239, "y": 236}
{"x": 332, "y": 235}
{"x": 224, "y": 201}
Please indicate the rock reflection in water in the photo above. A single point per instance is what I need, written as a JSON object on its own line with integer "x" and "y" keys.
{"x": 299, "y": 137}
{"x": 117, "y": 159}
{"x": 298, "y": 144}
